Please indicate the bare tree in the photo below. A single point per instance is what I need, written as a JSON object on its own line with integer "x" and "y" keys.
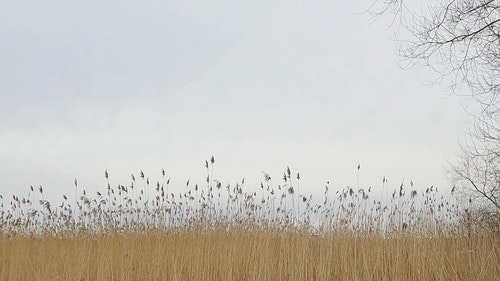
{"x": 476, "y": 172}
{"x": 460, "y": 41}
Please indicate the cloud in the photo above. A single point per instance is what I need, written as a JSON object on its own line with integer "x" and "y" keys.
{"x": 147, "y": 85}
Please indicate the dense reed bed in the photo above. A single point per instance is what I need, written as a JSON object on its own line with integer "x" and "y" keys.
{"x": 243, "y": 253}
{"x": 146, "y": 231}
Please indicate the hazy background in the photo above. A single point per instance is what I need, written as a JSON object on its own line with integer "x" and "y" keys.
{"x": 261, "y": 85}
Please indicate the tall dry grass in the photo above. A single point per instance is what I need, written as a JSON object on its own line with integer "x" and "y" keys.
{"x": 213, "y": 232}
{"x": 248, "y": 254}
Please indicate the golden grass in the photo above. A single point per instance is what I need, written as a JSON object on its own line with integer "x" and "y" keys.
{"x": 228, "y": 232}
{"x": 253, "y": 253}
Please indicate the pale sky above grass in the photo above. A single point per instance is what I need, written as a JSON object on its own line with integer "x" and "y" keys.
{"x": 261, "y": 85}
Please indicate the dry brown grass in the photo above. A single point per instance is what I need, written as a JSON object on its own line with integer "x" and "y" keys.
{"x": 248, "y": 254}
{"x": 218, "y": 232}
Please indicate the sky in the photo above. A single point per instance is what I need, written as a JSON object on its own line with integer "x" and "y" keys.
{"x": 125, "y": 86}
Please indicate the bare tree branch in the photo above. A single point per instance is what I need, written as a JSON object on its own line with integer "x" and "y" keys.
{"x": 460, "y": 40}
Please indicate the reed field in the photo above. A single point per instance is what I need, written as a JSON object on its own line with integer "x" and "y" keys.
{"x": 213, "y": 231}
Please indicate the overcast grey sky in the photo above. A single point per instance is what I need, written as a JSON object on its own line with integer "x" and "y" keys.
{"x": 261, "y": 85}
